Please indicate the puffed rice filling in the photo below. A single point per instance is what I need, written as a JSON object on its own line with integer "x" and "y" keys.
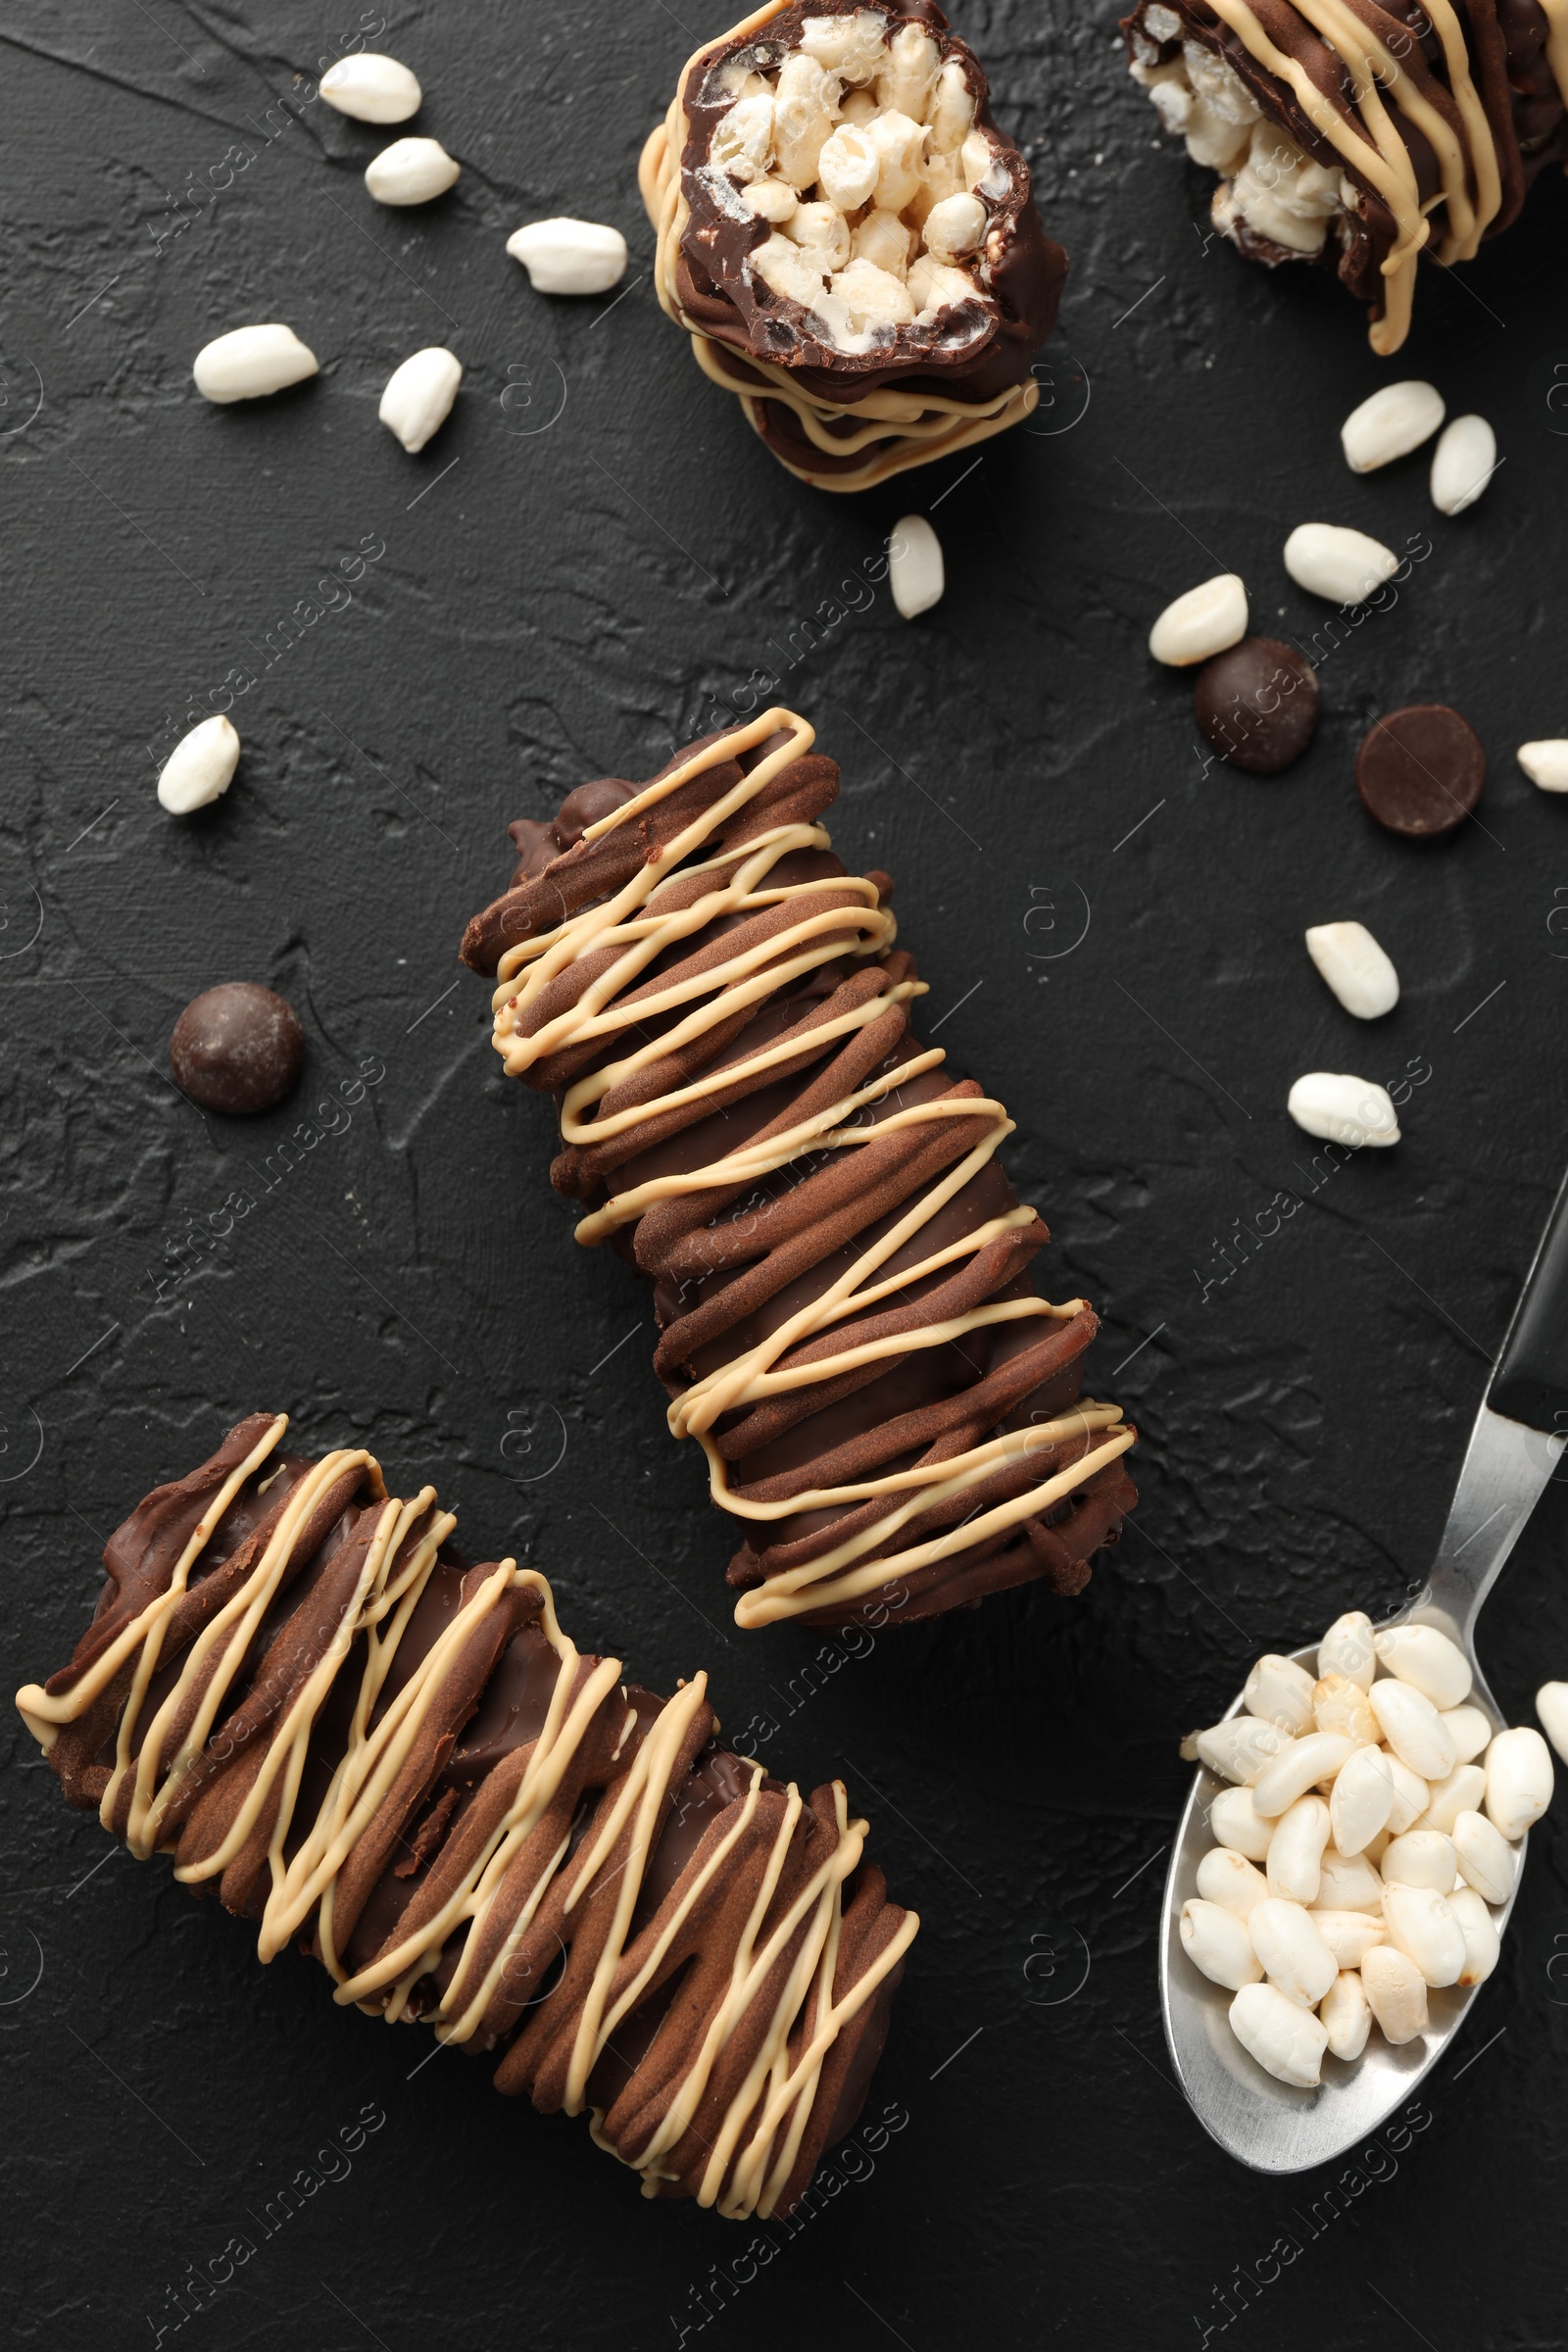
{"x": 864, "y": 155}
{"x": 1269, "y": 186}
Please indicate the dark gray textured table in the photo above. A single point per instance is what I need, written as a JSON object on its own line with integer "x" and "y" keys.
{"x": 592, "y": 556}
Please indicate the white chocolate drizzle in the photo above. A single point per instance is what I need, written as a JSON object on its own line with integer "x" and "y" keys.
{"x": 631, "y": 927}
{"x": 1556, "y": 13}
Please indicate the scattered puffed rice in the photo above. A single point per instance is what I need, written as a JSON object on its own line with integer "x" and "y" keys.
{"x": 1519, "y": 1780}
{"x": 916, "y": 573}
{"x": 1551, "y": 1705}
{"x": 419, "y": 397}
{"x": 562, "y": 256}
{"x": 1546, "y": 762}
{"x": 200, "y": 767}
{"x": 1205, "y": 622}
{"x": 1355, "y": 967}
{"x": 411, "y": 172}
{"x": 1394, "y": 420}
{"x": 251, "y": 362}
{"x": 371, "y": 88}
{"x": 1463, "y": 463}
{"x": 1331, "y": 559}
{"x": 1343, "y": 1109}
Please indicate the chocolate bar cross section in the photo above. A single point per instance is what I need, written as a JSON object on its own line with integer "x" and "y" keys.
{"x": 1361, "y": 135}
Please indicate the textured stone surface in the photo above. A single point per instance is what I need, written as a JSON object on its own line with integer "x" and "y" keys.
{"x": 590, "y": 552}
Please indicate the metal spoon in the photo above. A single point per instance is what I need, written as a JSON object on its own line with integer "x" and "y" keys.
{"x": 1513, "y": 1450}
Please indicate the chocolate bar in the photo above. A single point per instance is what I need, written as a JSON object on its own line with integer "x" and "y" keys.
{"x": 849, "y": 239}
{"x": 1361, "y": 135}
{"x": 848, "y": 1327}
{"x": 298, "y": 1689}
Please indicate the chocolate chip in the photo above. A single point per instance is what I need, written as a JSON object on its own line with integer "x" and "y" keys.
{"x": 1420, "y": 772}
{"x": 237, "y": 1047}
{"x": 1258, "y": 704}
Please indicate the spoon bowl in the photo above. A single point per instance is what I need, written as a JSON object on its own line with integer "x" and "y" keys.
{"x": 1261, "y": 2121}
{"x": 1514, "y": 1448}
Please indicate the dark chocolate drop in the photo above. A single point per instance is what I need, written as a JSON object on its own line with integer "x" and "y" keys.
{"x": 1420, "y": 771}
{"x": 1258, "y": 704}
{"x": 237, "y": 1047}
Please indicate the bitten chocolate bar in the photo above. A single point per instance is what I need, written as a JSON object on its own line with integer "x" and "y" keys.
{"x": 1361, "y": 135}
{"x": 848, "y": 1325}
{"x": 298, "y": 1689}
{"x": 849, "y": 239}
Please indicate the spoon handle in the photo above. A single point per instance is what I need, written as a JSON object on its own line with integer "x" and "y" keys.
{"x": 1506, "y": 1467}
{"x": 1516, "y": 1442}
{"x": 1531, "y": 1380}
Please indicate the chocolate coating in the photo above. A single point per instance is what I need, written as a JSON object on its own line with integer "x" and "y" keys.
{"x": 1419, "y": 771}
{"x": 1258, "y": 703}
{"x": 735, "y": 1263}
{"x": 237, "y": 1047}
{"x": 487, "y": 1699}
